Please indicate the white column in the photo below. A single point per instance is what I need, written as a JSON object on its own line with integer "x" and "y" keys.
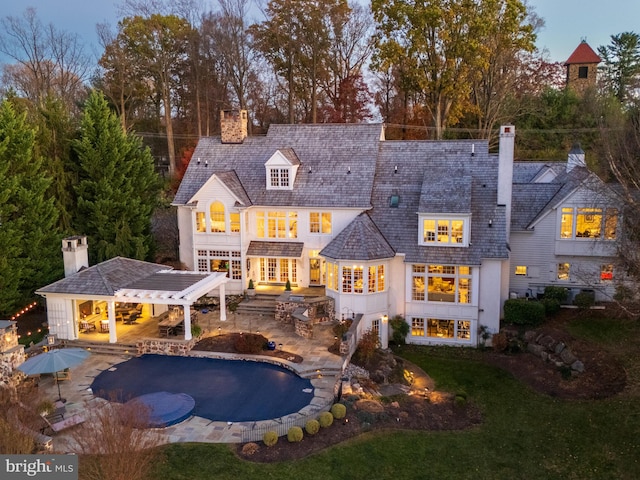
{"x": 187, "y": 321}
{"x": 384, "y": 332}
{"x": 223, "y": 306}
{"x": 111, "y": 314}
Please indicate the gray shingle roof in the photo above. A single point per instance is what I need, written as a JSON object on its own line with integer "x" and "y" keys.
{"x": 326, "y": 153}
{"x": 475, "y": 179}
{"x": 275, "y": 249}
{"x": 360, "y": 240}
{"x": 105, "y": 278}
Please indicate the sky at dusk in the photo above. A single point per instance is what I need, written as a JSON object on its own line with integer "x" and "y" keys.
{"x": 567, "y": 21}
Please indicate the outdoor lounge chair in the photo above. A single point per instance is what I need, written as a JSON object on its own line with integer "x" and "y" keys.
{"x": 62, "y": 375}
{"x": 56, "y": 424}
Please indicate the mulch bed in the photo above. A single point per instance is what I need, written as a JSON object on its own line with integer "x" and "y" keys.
{"x": 227, "y": 344}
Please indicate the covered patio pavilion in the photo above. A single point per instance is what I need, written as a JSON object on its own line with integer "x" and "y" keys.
{"x": 95, "y": 295}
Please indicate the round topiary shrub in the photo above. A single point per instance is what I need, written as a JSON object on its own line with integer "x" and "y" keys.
{"x": 338, "y": 410}
{"x": 312, "y": 427}
{"x": 249, "y": 449}
{"x": 270, "y": 438}
{"x": 295, "y": 434}
{"x": 325, "y": 419}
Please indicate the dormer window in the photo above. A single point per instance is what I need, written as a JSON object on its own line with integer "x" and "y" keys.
{"x": 279, "y": 178}
{"x": 444, "y": 231}
{"x": 281, "y": 169}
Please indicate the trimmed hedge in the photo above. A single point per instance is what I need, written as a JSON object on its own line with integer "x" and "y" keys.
{"x": 312, "y": 427}
{"x": 556, "y": 293}
{"x": 523, "y": 312}
{"x": 584, "y": 300}
{"x": 270, "y": 438}
{"x": 338, "y": 411}
{"x": 325, "y": 419}
{"x": 295, "y": 434}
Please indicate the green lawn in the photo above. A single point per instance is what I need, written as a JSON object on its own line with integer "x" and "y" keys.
{"x": 524, "y": 435}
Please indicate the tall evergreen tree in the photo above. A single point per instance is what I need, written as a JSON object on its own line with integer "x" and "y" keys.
{"x": 117, "y": 188}
{"x": 28, "y": 216}
{"x": 621, "y": 65}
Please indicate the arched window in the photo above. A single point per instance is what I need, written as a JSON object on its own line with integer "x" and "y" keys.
{"x": 216, "y": 212}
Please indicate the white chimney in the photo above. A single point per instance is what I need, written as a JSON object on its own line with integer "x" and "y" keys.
{"x": 75, "y": 254}
{"x": 576, "y": 157}
{"x": 505, "y": 170}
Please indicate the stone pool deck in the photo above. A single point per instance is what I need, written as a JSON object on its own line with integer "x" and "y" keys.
{"x": 319, "y": 365}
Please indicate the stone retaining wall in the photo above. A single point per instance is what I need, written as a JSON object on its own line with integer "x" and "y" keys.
{"x": 161, "y": 346}
{"x": 553, "y": 351}
{"x": 319, "y": 309}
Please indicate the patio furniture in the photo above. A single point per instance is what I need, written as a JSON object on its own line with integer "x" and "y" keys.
{"x": 56, "y": 426}
{"x": 86, "y": 326}
{"x": 104, "y": 326}
{"x": 62, "y": 375}
{"x": 168, "y": 326}
{"x": 130, "y": 319}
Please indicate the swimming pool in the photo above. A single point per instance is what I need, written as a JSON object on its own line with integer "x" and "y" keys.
{"x": 223, "y": 390}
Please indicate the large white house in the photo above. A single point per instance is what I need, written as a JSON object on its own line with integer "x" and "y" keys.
{"x": 410, "y": 228}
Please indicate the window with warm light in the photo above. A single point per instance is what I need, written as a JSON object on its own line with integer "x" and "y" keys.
{"x": 355, "y": 279}
{"x": 220, "y": 261}
{"x": 444, "y": 231}
{"x": 563, "y": 271}
{"x": 454, "y": 329}
{"x": 588, "y": 223}
{"x": 277, "y": 224}
{"x": 375, "y": 326}
{"x": 216, "y": 217}
{"x": 320, "y": 222}
{"x": 606, "y": 273}
{"x": 521, "y": 270}
{"x": 417, "y": 327}
{"x": 201, "y": 224}
{"x": 234, "y": 222}
{"x": 444, "y": 283}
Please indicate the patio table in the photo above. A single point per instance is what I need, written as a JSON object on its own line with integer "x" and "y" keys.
{"x": 168, "y": 325}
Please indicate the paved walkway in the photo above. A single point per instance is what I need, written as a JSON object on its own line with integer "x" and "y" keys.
{"x": 321, "y": 366}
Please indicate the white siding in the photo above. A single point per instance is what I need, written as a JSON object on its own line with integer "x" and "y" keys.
{"x": 61, "y": 318}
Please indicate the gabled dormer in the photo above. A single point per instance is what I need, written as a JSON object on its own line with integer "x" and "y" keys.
{"x": 281, "y": 169}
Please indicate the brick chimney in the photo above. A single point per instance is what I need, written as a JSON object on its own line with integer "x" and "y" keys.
{"x": 75, "y": 254}
{"x": 233, "y": 126}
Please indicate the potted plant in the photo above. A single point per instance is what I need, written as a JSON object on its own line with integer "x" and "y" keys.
{"x": 251, "y": 290}
{"x": 287, "y": 286}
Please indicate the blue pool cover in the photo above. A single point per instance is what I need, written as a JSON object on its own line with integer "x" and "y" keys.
{"x": 164, "y": 408}
{"x": 223, "y": 390}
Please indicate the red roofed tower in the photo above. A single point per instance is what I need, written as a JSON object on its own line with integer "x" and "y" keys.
{"x": 582, "y": 67}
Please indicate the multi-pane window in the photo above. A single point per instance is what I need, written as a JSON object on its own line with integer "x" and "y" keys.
{"x": 444, "y": 283}
{"x": 278, "y": 224}
{"x": 443, "y": 231}
{"x": 417, "y": 327}
{"x": 278, "y": 270}
{"x": 347, "y": 280}
{"x": 457, "y": 329}
{"x": 220, "y": 261}
{"x": 521, "y": 270}
{"x": 381, "y": 284}
{"x": 606, "y": 273}
{"x": 320, "y": 222}
{"x": 375, "y": 327}
{"x": 279, "y": 178}
{"x": 588, "y": 223}
{"x": 358, "y": 280}
{"x": 563, "y": 271}
{"x": 216, "y": 217}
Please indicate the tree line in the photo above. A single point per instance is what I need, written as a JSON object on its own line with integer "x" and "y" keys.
{"x": 435, "y": 69}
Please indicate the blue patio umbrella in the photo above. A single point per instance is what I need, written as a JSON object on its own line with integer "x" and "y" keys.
{"x": 54, "y": 361}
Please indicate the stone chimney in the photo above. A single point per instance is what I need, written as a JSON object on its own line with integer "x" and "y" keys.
{"x": 505, "y": 170}
{"x": 576, "y": 157}
{"x": 233, "y": 126}
{"x": 75, "y": 254}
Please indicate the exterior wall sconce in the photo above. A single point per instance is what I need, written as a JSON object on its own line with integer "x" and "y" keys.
{"x": 490, "y": 223}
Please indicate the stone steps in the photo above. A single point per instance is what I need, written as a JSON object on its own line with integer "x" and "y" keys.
{"x": 107, "y": 348}
{"x": 259, "y": 305}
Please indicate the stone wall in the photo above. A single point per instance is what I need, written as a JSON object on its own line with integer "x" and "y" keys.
{"x": 319, "y": 309}
{"x": 161, "y": 346}
{"x": 11, "y": 353}
{"x": 553, "y": 351}
{"x": 233, "y": 126}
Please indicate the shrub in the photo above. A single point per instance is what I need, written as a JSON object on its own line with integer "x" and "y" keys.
{"x": 551, "y": 306}
{"x": 249, "y": 449}
{"x": 367, "y": 346}
{"x": 523, "y": 312}
{"x": 251, "y": 285}
{"x": 338, "y": 411}
{"x": 584, "y": 300}
{"x": 295, "y": 434}
{"x": 196, "y": 330}
{"x": 287, "y": 286}
{"x": 270, "y": 438}
{"x": 325, "y": 419}
{"x": 400, "y": 330}
{"x": 558, "y": 293}
{"x": 623, "y": 293}
{"x": 312, "y": 427}
{"x": 459, "y": 401}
